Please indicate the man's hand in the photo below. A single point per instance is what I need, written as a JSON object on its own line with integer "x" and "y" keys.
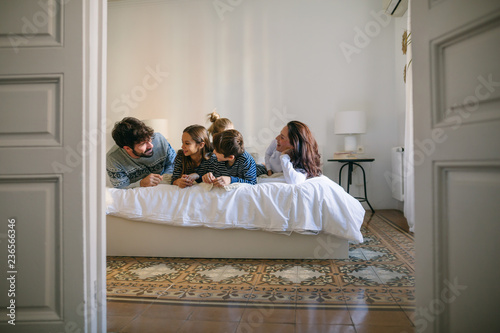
{"x": 222, "y": 181}
{"x": 269, "y": 172}
{"x": 208, "y": 178}
{"x": 152, "y": 179}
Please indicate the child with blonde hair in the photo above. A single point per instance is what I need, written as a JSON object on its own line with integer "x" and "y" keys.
{"x": 222, "y": 124}
{"x": 218, "y": 124}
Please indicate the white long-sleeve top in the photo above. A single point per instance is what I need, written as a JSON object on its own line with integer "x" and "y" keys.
{"x": 291, "y": 175}
{"x": 272, "y": 158}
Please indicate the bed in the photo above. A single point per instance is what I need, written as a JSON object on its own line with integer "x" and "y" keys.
{"x": 313, "y": 220}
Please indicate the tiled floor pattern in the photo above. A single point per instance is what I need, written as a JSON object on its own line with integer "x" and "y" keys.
{"x": 372, "y": 291}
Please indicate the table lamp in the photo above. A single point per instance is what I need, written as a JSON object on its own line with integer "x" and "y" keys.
{"x": 350, "y": 123}
{"x": 159, "y": 125}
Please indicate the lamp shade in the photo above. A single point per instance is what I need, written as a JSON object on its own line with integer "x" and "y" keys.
{"x": 159, "y": 125}
{"x": 350, "y": 122}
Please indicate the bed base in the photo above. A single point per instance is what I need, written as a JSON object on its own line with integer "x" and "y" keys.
{"x": 143, "y": 239}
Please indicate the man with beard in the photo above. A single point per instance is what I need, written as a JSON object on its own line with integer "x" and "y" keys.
{"x": 140, "y": 156}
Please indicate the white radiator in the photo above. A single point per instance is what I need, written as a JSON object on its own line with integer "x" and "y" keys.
{"x": 397, "y": 175}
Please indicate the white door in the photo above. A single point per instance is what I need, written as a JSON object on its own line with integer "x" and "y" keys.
{"x": 456, "y": 72}
{"x": 50, "y": 253}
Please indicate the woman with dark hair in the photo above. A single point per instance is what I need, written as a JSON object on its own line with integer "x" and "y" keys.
{"x": 194, "y": 159}
{"x": 300, "y": 158}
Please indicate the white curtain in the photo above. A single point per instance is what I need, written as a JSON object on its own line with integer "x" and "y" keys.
{"x": 409, "y": 193}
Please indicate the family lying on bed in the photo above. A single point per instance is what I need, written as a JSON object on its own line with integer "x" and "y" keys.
{"x": 141, "y": 156}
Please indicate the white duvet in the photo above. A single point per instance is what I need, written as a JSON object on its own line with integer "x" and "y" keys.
{"x": 317, "y": 205}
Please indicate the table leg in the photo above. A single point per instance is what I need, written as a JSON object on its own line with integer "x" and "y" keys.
{"x": 340, "y": 175}
{"x": 349, "y": 176}
{"x": 364, "y": 186}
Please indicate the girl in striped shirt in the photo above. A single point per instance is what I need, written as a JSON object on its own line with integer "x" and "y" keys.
{"x": 194, "y": 159}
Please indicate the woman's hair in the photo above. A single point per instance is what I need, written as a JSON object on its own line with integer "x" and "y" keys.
{"x": 199, "y": 134}
{"x": 304, "y": 154}
{"x": 229, "y": 142}
{"x": 218, "y": 124}
{"x": 130, "y": 131}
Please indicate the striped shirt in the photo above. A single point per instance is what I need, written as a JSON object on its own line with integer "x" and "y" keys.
{"x": 204, "y": 167}
{"x": 242, "y": 171}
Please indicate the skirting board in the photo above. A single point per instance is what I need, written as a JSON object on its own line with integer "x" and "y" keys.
{"x": 144, "y": 239}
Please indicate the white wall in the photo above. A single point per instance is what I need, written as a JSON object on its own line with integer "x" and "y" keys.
{"x": 400, "y": 25}
{"x": 261, "y": 63}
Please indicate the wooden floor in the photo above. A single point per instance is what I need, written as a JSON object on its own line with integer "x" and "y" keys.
{"x": 396, "y": 217}
{"x": 372, "y": 291}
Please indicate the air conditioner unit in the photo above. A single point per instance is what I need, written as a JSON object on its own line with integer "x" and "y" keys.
{"x": 396, "y": 7}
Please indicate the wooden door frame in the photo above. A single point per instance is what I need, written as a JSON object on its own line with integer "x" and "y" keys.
{"x": 94, "y": 159}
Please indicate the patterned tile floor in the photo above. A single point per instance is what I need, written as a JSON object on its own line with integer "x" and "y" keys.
{"x": 376, "y": 282}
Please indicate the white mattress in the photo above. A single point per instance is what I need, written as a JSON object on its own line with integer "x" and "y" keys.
{"x": 318, "y": 205}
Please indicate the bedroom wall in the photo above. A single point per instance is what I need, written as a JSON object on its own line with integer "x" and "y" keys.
{"x": 261, "y": 63}
{"x": 400, "y": 25}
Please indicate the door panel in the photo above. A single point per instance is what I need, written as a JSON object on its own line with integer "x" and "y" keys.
{"x": 465, "y": 241}
{"x": 38, "y": 287}
{"x": 464, "y": 94}
{"x": 456, "y": 89}
{"x": 31, "y": 111}
{"x": 50, "y": 214}
{"x": 33, "y": 24}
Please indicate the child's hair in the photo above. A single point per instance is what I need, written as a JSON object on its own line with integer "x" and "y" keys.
{"x": 129, "y": 131}
{"x": 199, "y": 134}
{"x": 218, "y": 124}
{"x": 229, "y": 142}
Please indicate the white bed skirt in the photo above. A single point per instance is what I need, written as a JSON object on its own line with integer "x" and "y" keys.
{"x": 143, "y": 239}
